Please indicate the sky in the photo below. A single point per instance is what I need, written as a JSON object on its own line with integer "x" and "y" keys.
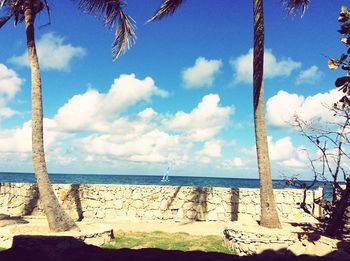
{"x": 180, "y": 97}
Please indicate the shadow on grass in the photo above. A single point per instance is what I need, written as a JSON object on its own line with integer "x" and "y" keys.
{"x": 68, "y": 248}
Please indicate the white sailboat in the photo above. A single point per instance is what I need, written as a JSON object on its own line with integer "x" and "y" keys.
{"x": 165, "y": 177}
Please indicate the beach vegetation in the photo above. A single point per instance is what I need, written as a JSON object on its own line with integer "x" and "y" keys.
{"x": 332, "y": 141}
{"x": 169, "y": 241}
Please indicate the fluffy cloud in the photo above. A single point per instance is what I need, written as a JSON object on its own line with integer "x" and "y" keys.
{"x": 282, "y": 151}
{"x": 98, "y": 129}
{"x": 53, "y": 53}
{"x": 93, "y": 111}
{"x": 236, "y": 162}
{"x": 10, "y": 85}
{"x": 282, "y": 107}
{"x": 243, "y": 66}
{"x": 20, "y": 139}
{"x": 140, "y": 146}
{"x": 309, "y": 76}
{"x": 202, "y": 74}
{"x": 16, "y": 140}
{"x": 150, "y": 137}
{"x": 211, "y": 149}
{"x": 203, "y": 122}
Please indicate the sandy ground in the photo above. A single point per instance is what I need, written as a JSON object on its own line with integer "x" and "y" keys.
{"x": 126, "y": 225}
{"x": 193, "y": 228}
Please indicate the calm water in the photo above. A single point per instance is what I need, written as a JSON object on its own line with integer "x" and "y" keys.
{"x": 148, "y": 180}
{"x": 139, "y": 180}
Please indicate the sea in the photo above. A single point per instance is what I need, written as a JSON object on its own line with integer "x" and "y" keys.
{"x": 147, "y": 180}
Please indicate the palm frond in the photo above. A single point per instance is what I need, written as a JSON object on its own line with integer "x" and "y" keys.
{"x": 112, "y": 13}
{"x": 3, "y": 20}
{"x": 18, "y": 16}
{"x": 2, "y": 3}
{"x": 124, "y": 36}
{"x": 294, "y": 5}
{"x": 168, "y": 7}
{"x": 48, "y": 11}
{"x": 99, "y": 7}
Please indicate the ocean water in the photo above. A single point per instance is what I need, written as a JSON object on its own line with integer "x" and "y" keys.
{"x": 151, "y": 180}
{"x": 140, "y": 180}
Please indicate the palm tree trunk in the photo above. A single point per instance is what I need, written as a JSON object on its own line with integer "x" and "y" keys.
{"x": 269, "y": 217}
{"x": 57, "y": 219}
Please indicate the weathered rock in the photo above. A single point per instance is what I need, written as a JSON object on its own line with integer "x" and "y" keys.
{"x": 297, "y": 248}
{"x": 101, "y": 201}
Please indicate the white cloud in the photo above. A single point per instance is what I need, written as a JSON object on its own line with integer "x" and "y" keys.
{"x": 203, "y": 122}
{"x": 6, "y": 112}
{"x": 282, "y": 151}
{"x": 202, "y": 74}
{"x": 138, "y": 145}
{"x": 93, "y": 110}
{"x": 147, "y": 114}
{"x": 309, "y": 76}
{"x": 293, "y": 163}
{"x": 282, "y": 107}
{"x": 20, "y": 139}
{"x": 16, "y": 140}
{"x": 243, "y": 66}
{"x": 149, "y": 137}
{"x": 53, "y": 53}
{"x": 236, "y": 162}
{"x": 211, "y": 149}
{"x": 98, "y": 130}
{"x": 10, "y": 85}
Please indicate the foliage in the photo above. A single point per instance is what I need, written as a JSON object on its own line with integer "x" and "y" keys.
{"x": 332, "y": 142}
{"x": 111, "y": 12}
{"x": 343, "y": 83}
{"x": 169, "y": 241}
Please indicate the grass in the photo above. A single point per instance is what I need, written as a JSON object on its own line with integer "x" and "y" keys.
{"x": 169, "y": 241}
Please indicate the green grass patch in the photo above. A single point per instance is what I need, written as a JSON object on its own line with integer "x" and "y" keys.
{"x": 169, "y": 241}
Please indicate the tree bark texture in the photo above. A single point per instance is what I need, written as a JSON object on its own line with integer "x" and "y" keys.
{"x": 57, "y": 219}
{"x": 269, "y": 217}
{"x": 337, "y": 221}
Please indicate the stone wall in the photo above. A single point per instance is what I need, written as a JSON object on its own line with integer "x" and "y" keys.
{"x": 250, "y": 240}
{"x": 155, "y": 202}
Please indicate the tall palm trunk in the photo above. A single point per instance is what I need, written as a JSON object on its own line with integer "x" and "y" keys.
{"x": 57, "y": 219}
{"x": 269, "y": 216}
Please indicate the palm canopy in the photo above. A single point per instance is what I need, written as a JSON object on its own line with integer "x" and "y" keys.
{"x": 14, "y": 9}
{"x": 111, "y": 11}
{"x": 169, "y": 7}
{"x": 294, "y": 5}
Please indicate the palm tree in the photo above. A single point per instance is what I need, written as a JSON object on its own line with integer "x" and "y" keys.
{"x": 269, "y": 217}
{"x": 26, "y": 11}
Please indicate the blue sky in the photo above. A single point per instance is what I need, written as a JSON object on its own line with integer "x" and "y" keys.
{"x": 182, "y": 95}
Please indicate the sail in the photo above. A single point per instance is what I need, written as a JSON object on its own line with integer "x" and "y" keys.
{"x": 165, "y": 177}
